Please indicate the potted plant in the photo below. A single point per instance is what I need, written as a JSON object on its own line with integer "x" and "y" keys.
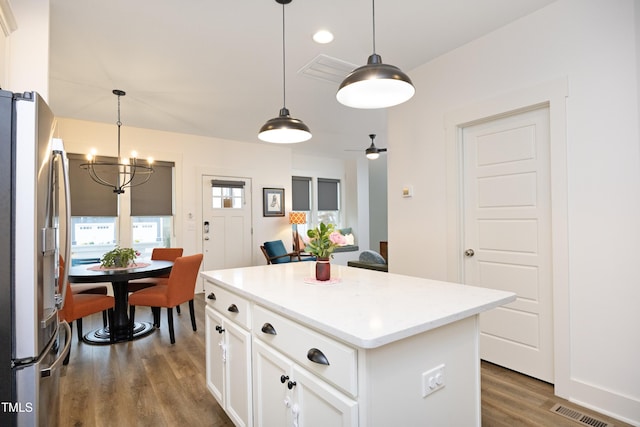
{"x": 119, "y": 257}
{"x": 321, "y": 242}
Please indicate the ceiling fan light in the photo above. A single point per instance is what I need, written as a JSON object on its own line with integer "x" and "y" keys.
{"x": 375, "y": 85}
{"x": 373, "y": 155}
{"x": 284, "y": 129}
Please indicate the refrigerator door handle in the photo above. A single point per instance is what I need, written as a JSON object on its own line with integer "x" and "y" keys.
{"x": 63, "y": 354}
{"x": 58, "y": 149}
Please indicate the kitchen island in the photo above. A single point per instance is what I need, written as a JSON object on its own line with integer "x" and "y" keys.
{"x": 372, "y": 349}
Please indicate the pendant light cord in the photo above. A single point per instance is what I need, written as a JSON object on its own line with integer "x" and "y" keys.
{"x": 284, "y": 72}
{"x": 373, "y": 10}
{"x": 119, "y": 123}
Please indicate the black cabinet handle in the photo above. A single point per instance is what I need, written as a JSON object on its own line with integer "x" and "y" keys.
{"x": 233, "y": 308}
{"x": 317, "y": 356}
{"x": 268, "y": 328}
{"x": 291, "y": 384}
{"x": 220, "y": 329}
{"x": 283, "y": 378}
{"x": 211, "y": 296}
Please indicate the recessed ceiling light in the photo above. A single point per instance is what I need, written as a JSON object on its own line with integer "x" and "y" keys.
{"x": 323, "y": 37}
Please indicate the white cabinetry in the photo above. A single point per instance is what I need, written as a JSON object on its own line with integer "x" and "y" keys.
{"x": 229, "y": 366}
{"x": 287, "y": 395}
{"x": 282, "y": 353}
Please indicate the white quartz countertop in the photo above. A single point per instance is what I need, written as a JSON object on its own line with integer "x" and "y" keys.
{"x": 365, "y": 308}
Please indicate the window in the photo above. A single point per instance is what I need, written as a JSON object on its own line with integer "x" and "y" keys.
{"x": 152, "y": 210}
{"x": 301, "y": 193}
{"x": 301, "y": 200}
{"x": 91, "y": 237}
{"x": 227, "y": 194}
{"x": 96, "y": 213}
{"x": 328, "y": 201}
{"x": 148, "y": 232}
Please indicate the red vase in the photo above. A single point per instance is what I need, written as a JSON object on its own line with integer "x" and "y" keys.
{"x": 323, "y": 269}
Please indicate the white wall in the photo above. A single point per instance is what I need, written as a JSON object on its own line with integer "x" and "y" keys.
{"x": 591, "y": 44}
{"x": 268, "y": 165}
{"x": 26, "y": 50}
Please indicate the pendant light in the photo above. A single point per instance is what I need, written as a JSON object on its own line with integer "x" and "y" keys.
{"x": 373, "y": 152}
{"x": 284, "y": 129}
{"x": 375, "y": 85}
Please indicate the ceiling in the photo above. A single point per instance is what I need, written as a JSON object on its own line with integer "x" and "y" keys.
{"x": 214, "y": 68}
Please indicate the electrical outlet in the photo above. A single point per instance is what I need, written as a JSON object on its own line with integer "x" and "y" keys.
{"x": 433, "y": 380}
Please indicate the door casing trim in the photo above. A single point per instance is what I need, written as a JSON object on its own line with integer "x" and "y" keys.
{"x": 553, "y": 94}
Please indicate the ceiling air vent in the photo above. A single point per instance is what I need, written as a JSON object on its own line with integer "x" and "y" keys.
{"x": 578, "y": 416}
{"x": 327, "y": 68}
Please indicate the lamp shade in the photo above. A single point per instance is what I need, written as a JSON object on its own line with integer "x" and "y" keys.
{"x": 284, "y": 129}
{"x": 375, "y": 85}
{"x": 297, "y": 217}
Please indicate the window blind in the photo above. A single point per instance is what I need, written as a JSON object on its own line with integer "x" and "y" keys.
{"x": 227, "y": 183}
{"x": 328, "y": 194}
{"x": 301, "y": 193}
{"x": 88, "y": 198}
{"x": 154, "y": 197}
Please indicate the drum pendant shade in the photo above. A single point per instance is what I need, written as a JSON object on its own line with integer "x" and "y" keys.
{"x": 284, "y": 129}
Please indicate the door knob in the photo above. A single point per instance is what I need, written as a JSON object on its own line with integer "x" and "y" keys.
{"x": 469, "y": 253}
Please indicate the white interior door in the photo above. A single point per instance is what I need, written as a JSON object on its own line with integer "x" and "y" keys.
{"x": 507, "y": 236}
{"x": 226, "y": 222}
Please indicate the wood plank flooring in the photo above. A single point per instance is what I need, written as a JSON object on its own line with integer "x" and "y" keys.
{"x": 149, "y": 382}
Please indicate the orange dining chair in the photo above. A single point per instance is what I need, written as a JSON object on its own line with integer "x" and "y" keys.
{"x": 88, "y": 288}
{"x": 163, "y": 254}
{"x": 179, "y": 288}
{"x": 77, "y": 306}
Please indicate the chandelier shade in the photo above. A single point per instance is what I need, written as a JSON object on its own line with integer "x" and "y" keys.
{"x": 129, "y": 172}
{"x": 284, "y": 129}
{"x": 375, "y": 85}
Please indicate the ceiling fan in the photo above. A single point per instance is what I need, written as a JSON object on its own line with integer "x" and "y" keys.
{"x": 372, "y": 152}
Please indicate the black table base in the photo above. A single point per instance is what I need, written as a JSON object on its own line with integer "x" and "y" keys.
{"x": 103, "y": 335}
{"x": 119, "y": 325}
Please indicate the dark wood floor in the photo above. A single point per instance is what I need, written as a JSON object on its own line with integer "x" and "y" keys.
{"x": 149, "y": 382}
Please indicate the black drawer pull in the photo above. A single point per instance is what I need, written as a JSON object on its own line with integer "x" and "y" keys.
{"x": 268, "y": 328}
{"x": 220, "y": 329}
{"x": 283, "y": 378}
{"x": 291, "y": 384}
{"x": 211, "y": 296}
{"x": 233, "y": 308}
{"x": 317, "y": 356}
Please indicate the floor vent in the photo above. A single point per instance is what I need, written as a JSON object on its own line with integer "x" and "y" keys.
{"x": 579, "y": 417}
{"x": 327, "y": 68}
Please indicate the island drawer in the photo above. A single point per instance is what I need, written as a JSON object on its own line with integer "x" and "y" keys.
{"x": 228, "y": 304}
{"x": 326, "y": 357}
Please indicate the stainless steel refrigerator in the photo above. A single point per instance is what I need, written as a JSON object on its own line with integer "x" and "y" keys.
{"x": 34, "y": 209}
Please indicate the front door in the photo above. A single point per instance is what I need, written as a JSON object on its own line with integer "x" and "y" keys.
{"x": 507, "y": 236}
{"x": 226, "y": 222}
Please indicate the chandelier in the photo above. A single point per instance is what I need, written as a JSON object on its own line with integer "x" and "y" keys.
{"x": 124, "y": 169}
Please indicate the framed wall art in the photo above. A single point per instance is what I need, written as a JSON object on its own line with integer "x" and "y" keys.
{"x": 273, "y": 201}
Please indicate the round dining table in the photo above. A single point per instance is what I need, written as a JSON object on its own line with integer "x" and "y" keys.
{"x": 119, "y": 278}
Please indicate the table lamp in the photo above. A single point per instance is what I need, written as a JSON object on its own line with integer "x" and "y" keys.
{"x": 296, "y": 218}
